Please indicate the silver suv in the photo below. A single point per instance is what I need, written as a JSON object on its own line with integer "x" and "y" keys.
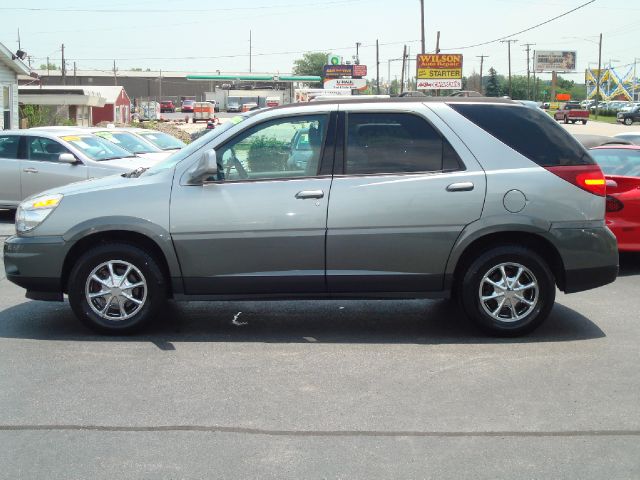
{"x": 484, "y": 199}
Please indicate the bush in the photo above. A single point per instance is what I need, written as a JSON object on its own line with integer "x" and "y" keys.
{"x": 267, "y": 155}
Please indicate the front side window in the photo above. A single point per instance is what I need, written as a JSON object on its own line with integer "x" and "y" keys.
{"x": 44, "y": 149}
{"x": 9, "y": 146}
{"x": 282, "y": 148}
{"x": 383, "y": 143}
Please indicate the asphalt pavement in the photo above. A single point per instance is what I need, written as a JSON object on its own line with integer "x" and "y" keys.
{"x": 326, "y": 390}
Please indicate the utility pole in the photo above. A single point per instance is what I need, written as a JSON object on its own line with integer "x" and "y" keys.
{"x": 377, "y": 67}
{"x": 115, "y": 77}
{"x": 509, "y": 42}
{"x": 47, "y": 68}
{"x": 635, "y": 80}
{"x": 404, "y": 59}
{"x": 75, "y": 77}
{"x": 358, "y": 52}
{"x": 160, "y": 88}
{"x": 422, "y": 25}
{"x": 63, "y": 68}
{"x": 528, "y": 45}
{"x": 438, "y": 42}
{"x": 599, "y": 75}
{"x": 481, "y": 57}
{"x": 249, "y": 51}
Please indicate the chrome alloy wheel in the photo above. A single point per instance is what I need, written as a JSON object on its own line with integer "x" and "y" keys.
{"x": 508, "y": 292}
{"x": 116, "y": 290}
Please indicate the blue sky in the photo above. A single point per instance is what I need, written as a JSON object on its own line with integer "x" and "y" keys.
{"x": 159, "y": 34}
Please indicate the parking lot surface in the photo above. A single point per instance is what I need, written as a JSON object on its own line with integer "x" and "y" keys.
{"x": 334, "y": 389}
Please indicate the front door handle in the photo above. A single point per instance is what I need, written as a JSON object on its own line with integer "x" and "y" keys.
{"x": 310, "y": 194}
{"x": 460, "y": 187}
{"x": 30, "y": 170}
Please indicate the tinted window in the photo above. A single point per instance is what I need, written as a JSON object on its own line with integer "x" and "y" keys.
{"x": 530, "y": 132}
{"x": 618, "y": 161}
{"x": 9, "y": 146}
{"x": 395, "y": 143}
{"x": 268, "y": 150}
{"x": 44, "y": 149}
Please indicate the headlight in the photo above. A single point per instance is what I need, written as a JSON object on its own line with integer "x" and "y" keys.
{"x": 34, "y": 211}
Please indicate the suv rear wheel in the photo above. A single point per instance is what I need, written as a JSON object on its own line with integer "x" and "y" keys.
{"x": 116, "y": 288}
{"x": 508, "y": 291}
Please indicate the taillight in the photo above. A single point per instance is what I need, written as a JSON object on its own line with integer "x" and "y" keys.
{"x": 613, "y": 204}
{"x": 586, "y": 177}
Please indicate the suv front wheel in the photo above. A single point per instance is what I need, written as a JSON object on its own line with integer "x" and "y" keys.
{"x": 508, "y": 291}
{"x": 116, "y": 288}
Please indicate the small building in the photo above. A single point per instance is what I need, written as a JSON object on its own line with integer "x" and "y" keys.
{"x": 10, "y": 67}
{"x": 62, "y": 104}
{"x": 117, "y": 107}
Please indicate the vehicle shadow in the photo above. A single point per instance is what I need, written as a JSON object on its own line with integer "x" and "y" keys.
{"x": 629, "y": 264}
{"x": 356, "y": 322}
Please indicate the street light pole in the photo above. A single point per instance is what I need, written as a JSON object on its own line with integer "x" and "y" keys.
{"x": 422, "y": 24}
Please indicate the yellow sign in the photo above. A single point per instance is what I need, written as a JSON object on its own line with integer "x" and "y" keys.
{"x": 71, "y": 138}
{"x": 442, "y": 73}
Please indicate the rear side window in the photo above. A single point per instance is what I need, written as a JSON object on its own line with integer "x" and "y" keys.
{"x": 9, "y": 146}
{"x": 530, "y": 132}
{"x": 395, "y": 143}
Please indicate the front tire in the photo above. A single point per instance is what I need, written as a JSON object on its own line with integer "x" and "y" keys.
{"x": 507, "y": 291}
{"x": 566, "y": 120}
{"x": 628, "y": 121}
{"x": 116, "y": 288}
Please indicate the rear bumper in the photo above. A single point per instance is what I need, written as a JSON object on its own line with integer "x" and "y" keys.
{"x": 589, "y": 255}
{"x": 35, "y": 263}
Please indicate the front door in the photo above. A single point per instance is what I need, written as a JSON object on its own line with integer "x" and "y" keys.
{"x": 399, "y": 200}
{"x": 40, "y": 169}
{"x": 259, "y": 226}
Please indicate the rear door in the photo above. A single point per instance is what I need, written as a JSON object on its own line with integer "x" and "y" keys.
{"x": 401, "y": 194}
{"x": 40, "y": 168}
{"x": 9, "y": 170}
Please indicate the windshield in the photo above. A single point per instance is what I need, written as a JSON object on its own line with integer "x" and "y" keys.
{"x": 96, "y": 148}
{"x": 162, "y": 140}
{"x": 129, "y": 141}
{"x": 177, "y": 157}
{"x": 618, "y": 161}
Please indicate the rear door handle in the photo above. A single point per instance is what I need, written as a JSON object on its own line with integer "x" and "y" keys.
{"x": 30, "y": 170}
{"x": 460, "y": 187}
{"x": 310, "y": 194}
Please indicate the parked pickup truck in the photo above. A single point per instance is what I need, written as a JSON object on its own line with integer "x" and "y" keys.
{"x": 572, "y": 112}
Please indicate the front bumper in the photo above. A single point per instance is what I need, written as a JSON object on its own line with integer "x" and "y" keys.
{"x": 35, "y": 263}
{"x": 589, "y": 255}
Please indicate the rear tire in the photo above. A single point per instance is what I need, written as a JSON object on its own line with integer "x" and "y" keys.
{"x": 584, "y": 122}
{"x": 516, "y": 276}
{"x": 116, "y": 288}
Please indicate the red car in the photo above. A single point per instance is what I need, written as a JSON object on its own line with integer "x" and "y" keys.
{"x": 188, "y": 105}
{"x": 167, "y": 106}
{"x": 621, "y": 167}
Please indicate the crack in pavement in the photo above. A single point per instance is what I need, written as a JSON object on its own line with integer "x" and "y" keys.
{"x": 323, "y": 433}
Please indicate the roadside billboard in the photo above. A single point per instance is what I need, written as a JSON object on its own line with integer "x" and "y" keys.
{"x": 554, "y": 60}
{"x": 346, "y": 83}
{"x": 340, "y": 71}
{"x": 439, "y": 71}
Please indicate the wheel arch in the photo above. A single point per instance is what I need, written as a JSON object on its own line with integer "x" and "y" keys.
{"x": 144, "y": 241}
{"x": 536, "y": 241}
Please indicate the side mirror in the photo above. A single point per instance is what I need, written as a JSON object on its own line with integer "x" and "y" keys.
{"x": 206, "y": 167}
{"x": 67, "y": 158}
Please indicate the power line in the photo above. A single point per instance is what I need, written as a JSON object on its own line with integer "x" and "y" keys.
{"x": 523, "y": 31}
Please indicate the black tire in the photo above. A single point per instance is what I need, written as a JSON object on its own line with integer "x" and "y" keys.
{"x": 156, "y": 283}
{"x": 628, "y": 121}
{"x": 471, "y": 281}
{"x": 584, "y": 122}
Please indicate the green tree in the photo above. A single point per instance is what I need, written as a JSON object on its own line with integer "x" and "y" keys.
{"x": 311, "y": 63}
{"x": 52, "y": 66}
{"x": 493, "y": 85}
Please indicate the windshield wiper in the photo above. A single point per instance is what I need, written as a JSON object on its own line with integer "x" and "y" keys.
{"x": 136, "y": 173}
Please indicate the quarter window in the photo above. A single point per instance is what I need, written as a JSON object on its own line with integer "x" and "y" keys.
{"x": 395, "y": 143}
{"x": 282, "y": 148}
{"x": 44, "y": 149}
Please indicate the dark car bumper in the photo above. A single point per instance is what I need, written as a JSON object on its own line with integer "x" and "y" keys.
{"x": 589, "y": 255}
{"x": 35, "y": 263}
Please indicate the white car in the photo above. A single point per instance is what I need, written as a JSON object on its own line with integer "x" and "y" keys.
{"x": 34, "y": 160}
